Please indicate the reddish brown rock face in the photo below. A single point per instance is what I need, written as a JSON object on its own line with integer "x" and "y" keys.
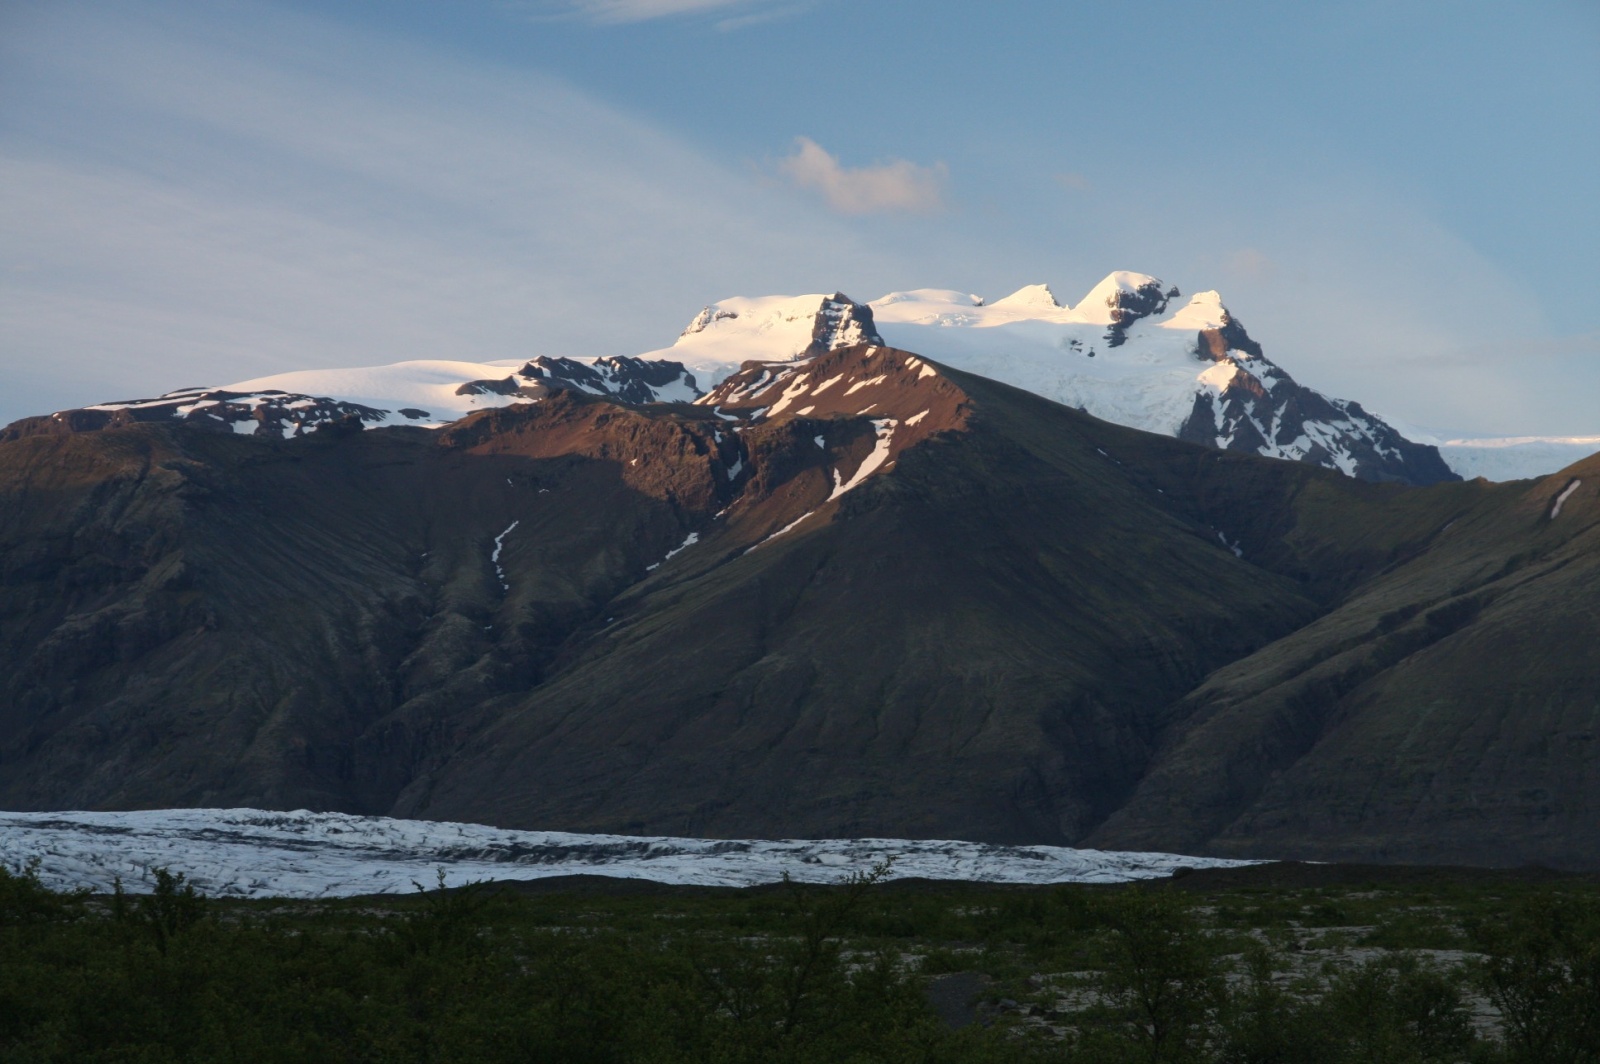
{"x": 682, "y": 457}
{"x": 867, "y": 381}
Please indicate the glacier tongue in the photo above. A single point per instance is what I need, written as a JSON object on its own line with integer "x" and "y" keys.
{"x": 256, "y": 853}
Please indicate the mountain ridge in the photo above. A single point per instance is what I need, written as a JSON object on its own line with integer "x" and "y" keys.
{"x": 1130, "y": 351}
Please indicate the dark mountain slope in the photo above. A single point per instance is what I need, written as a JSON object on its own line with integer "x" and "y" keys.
{"x": 977, "y": 644}
{"x": 857, "y": 594}
{"x": 971, "y": 646}
{"x": 201, "y": 618}
{"x": 193, "y": 618}
{"x": 1449, "y": 711}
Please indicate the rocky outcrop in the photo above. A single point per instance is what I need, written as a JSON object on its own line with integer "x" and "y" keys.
{"x": 1128, "y": 307}
{"x": 1252, "y": 405}
{"x": 629, "y": 380}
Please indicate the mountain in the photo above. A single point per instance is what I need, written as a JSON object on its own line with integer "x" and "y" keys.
{"x": 1447, "y": 701}
{"x": 1130, "y": 352}
{"x": 428, "y": 394}
{"x": 859, "y": 593}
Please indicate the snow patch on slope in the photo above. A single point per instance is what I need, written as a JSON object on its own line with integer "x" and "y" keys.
{"x": 1561, "y": 500}
{"x": 869, "y": 464}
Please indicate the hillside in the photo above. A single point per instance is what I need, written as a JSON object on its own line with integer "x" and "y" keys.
{"x": 1449, "y": 701}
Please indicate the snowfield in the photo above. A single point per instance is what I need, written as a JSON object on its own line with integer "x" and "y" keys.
{"x": 258, "y": 854}
{"x": 1516, "y": 457}
{"x": 426, "y": 384}
{"x": 1148, "y": 382}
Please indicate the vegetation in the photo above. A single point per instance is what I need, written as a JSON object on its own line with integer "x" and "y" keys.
{"x": 1198, "y": 968}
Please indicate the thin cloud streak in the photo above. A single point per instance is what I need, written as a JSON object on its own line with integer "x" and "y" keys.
{"x": 896, "y": 185}
{"x": 621, "y": 12}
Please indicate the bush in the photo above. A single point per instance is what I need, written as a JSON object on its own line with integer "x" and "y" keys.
{"x": 1543, "y": 973}
{"x": 25, "y": 900}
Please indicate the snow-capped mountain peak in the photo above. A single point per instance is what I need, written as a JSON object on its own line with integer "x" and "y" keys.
{"x": 788, "y": 326}
{"x": 1116, "y": 302}
{"x": 1121, "y": 296}
{"x": 1031, "y": 297}
{"x": 1203, "y": 311}
{"x": 730, "y": 332}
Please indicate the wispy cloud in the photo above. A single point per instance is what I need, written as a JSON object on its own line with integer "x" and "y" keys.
{"x": 896, "y": 185}
{"x": 760, "y": 17}
{"x": 617, "y": 12}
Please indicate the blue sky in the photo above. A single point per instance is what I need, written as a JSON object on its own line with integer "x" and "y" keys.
{"x": 1397, "y": 199}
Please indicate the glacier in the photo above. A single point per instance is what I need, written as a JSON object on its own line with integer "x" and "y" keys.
{"x": 255, "y": 853}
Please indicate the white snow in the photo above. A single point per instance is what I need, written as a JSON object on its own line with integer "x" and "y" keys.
{"x": 1203, "y": 311}
{"x": 733, "y": 331}
{"x": 1096, "y": 306}
{"x": 499, "y": 545}
{"x": 260, "y": 854}
{"x": 869, "y": 464}
{"x": 865, "y": 383}
{"x": 1555, "y": 511}
{"x": 786, "y": 528}
{"x": 1034, "y": 297}
{"x": 688, "y": 541}
{"x": 678, "y": 391}
{"x": 1149, "y": 382}
{"x": 1514, "y": 457}
{"x": 1028, "y": 339}
{"x": 427, "y": 384}
{"x": 1219, "y": 376}
{"x": 795, "y": 390}
{"x": 914, "y": 418}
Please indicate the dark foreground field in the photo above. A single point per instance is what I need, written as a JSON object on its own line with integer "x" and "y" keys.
{"x": 1279, "y": 963}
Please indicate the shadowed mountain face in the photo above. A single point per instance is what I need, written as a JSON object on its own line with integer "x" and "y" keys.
{"x": 859, "y": 594}
{"x": 1448, "y": 711}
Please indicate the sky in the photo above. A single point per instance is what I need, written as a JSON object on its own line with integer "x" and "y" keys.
{"x": 1397, "y": 199}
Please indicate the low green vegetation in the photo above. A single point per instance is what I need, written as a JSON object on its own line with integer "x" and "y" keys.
{"x": 1237, "y": 968}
